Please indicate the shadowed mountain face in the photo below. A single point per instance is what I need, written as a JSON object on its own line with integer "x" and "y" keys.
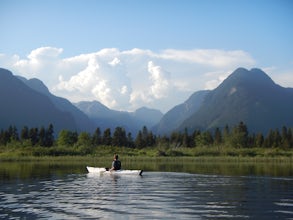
{"x": 173, "y": 118}
{"x": 29, "y": 103}
{"x": 248, "y": 96}
{"x": 83, "y": 123}
{"x": 23, "y": 106}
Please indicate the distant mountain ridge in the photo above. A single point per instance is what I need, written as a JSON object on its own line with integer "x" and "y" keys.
{"x": 104, "y": 117}
{"x": 29, "y": 103}
{"x": 97, "y": 114}
{"x": 250, "y": 96}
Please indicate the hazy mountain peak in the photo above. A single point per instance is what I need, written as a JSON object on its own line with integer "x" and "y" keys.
{"x": 144, "y": 109}
{"x": 255, "y": 76}
{"x": 36, "y": 84}
{"x": 148, "y": 115}
{"x": 93, "y": 108}
{"x": 5, "y": 73}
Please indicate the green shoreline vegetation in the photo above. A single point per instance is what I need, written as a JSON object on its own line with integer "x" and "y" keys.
{"x": 225, "y": 144}
{"x": 38, "y": 166}
{"x": 204, "y": 154}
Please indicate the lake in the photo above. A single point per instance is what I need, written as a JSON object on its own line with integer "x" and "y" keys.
{"x": 49, "y": 190}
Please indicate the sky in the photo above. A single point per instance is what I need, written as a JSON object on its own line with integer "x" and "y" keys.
{"x": 154, "y": 53}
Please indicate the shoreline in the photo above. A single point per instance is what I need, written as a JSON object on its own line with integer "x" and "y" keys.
{"x": 166, "y": 159}
{"x": 197, "y": 154}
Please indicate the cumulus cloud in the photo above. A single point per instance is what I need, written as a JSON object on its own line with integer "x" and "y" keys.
{"x": 160, "y": 81}
{"x": 101, "y": 81}
{"x": 129, "y": 79}
{"x": 43, "y": 63}
{"x": 39, "y": 59}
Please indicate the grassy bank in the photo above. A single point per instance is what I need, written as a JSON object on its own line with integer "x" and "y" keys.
{"x": 14, "y": 153}
{"x": 31, "y": 166}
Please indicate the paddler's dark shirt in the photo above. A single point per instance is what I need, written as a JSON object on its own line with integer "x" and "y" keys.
{"x": 116, "y": 164}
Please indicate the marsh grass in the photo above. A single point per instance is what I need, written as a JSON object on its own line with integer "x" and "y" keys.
{"x": 28, "y": 161}
{"x": 38, "y": 167}
{"x": 105, "y": 153}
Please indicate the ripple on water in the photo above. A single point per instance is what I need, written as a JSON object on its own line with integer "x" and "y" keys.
{"x": 155, "y": 195}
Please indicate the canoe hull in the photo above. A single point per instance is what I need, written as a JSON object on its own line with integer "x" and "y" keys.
{"x": 101, "y": 170}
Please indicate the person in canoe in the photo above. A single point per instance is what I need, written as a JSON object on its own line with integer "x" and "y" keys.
{"x": 116, "y": 164}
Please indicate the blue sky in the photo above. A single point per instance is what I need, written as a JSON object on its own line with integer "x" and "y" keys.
{"x": 62, "y": 42}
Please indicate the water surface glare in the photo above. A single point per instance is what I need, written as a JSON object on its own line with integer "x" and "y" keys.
{"x": 156, "y": 195}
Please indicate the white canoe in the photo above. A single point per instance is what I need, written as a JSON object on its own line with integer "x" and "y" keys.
{"x": 100, "y": 170}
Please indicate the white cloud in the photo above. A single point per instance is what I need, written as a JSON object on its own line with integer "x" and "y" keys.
{"x": 128, "y": 79}
{"x": 42, "y": 63}
{"x": 160, "y": 82}
{"x": 282, "y": 76}
{"x": 215, "y": 58}
{"x": 100, "y": 80}
{"x": 114, "y": 62}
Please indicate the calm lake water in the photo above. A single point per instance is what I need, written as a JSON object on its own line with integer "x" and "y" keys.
{"x": 65, "y": 191}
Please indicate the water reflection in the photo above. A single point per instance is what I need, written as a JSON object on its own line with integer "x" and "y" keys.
{"x": 156, "y": 195}
{"x": 29, "y": 170}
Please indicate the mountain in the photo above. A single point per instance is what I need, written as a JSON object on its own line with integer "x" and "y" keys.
{"x": 248, "y": 96}
{"x": 147, "y": 116}
{"x": 81, "y": 119}
{"x": 104, "y": 117}
{"x": 180, "y": 113}
{"x": 23, "y": 106}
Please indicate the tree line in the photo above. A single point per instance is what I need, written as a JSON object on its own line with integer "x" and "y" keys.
{"x": 237, "y": 136}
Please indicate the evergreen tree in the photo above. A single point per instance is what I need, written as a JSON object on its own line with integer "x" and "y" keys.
{"x": 84, "y": 139}
{"x": 259, "y": 140}
{"x": 290, "y": 137}
{"x": 239, "y": 136}
{"x": 67, "y": 138}
{"x": 107, "y": 139}
{"x": 163, "y": 142}
{"x": 226, "y": 135}
{"x": 218, "y": 136}
{"x": 176, "y": 138}
{"x": 285, "y": 136}
{"x": 24, "y": 133}
{"x": 42, "y": 136}
{"x": 119, "y": 137}
{"x": 139, "y": 141}
{"x": 130, "y": 140}
{"x": 185, "y": 139}
{"x": 151, "y": 139}
{"x": 97, "y": 139}
{"x": 204, "y": 139}
{"x": 277, "y": 138}
{"x": 49, "y": 137}
{"x": 34, "y": 135}
{"x": 269, "y": 140}
{"x": 4, "y": 137}
{"x": 145, "y": 133}
{"x": 195, "y": 136}
{"x": 13, "y": 133}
